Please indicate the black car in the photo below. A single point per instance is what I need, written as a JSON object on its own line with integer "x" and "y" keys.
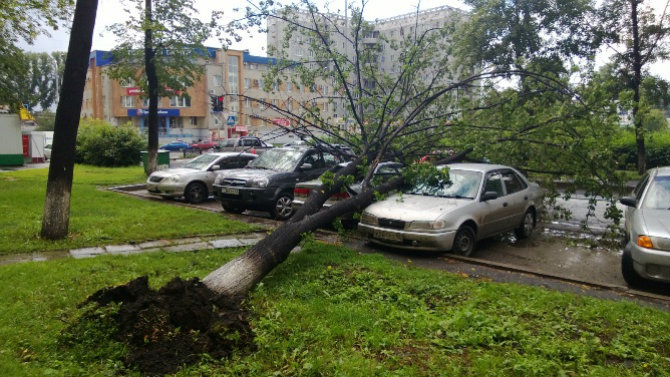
{"x": 267, "y": 183}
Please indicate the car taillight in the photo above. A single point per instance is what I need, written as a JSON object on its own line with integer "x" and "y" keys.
{"x": 299, "y": 191}
{"x": 340, "y": 195}
{"x": 645, "y": 241}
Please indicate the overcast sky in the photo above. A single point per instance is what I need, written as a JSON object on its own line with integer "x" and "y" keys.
{"x": 111, "y": 11}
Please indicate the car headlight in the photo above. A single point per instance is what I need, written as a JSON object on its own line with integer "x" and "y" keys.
{"x": 427, "y": 225}
{"x": 258, "y": 182}
{"x": 656, "y": 243}
{"x": 173, "y": 178}
{"x": 367, "y": 218}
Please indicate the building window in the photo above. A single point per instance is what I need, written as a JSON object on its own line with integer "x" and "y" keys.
{"x": 233, "y": 67}
{"x": 127, "y": 101}
{"x": 289, "y": 86}
{"x": 218, "y": 80}
{"x": 177, "y": 101}
{"x": 145, "y": 102}
{"x": 289, "y": 105}
{"x": 247, "y": 103}
{"x": 194, "y": 121}
{"x": 247, "y": 83}
{"x": 275, "y": 102}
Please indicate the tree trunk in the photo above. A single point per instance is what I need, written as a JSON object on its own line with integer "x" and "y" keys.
{"x": 239, "y": 276}
{"x": 150, "y": 69}
{"x": 637, "y": 80}
{"x": 56, "y": 217}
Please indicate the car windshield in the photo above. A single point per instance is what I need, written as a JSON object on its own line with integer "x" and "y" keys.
{"x": 463, "y": 184}
{"x": 283, "y": 160}
{"x": 231, "y": 142}
{"x": 658, "y": 196}
{"x": 201, "y": 161}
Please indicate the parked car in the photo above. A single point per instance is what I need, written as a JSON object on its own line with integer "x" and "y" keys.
{"x": 204, "y": 145}
{"x": 47, "y": 151}
{"x": 383, "y": 172}
{"x": 647, "y": 223}
{"x": 267, "y": 183}
{"x": 194, "y": 180}
{"x": 247, "y": 143}
{"x": 478, "y": 201}
{"x": 176, "y": 145}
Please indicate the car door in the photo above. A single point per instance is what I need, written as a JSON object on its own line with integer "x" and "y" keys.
{"x": 492, "y": 213}
{"x": 315, "y": 159}
{"x": 516, "y": 192}
{"x": 638, "y": 191}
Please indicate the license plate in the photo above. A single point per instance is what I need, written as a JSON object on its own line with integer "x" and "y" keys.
{"x": 230, "y": 191}
{"x": 386, "y": 236}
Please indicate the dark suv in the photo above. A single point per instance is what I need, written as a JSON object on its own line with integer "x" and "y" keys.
{"x": 267, "y": 183}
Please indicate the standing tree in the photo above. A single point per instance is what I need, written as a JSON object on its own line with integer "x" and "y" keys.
{"x": 38, "y": 85}
{"x": 24, "y": 21}
{"x": 639, "y": 37}
{"x": 56, "y": 217}
{"x": 161, "y": 46}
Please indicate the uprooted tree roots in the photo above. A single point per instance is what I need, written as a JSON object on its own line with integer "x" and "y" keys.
{"x": 165, "y": 329}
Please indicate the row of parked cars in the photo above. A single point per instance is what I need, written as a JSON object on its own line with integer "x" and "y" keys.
{"x": 232, "y": 144}
{"x": 478, "y": 200}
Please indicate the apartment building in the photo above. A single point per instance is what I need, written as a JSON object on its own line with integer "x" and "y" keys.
{"x": 237, "y": 77}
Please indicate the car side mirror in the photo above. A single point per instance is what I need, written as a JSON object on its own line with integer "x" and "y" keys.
{"x": 215, "y": 167}
{"x": 489, "y": 195}
{"x": 306, "y": 166}
{"x": 628, "y": 201}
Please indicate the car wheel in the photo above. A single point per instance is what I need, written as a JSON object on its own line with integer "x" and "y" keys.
{"x": 195, "y": 193}
{"x": 464, "y": 241}
{"x": 232, "y": 209}
{"x": 283, "y": 208}
{"x": 628, "y": 271}
{"x": 527, "y": 225}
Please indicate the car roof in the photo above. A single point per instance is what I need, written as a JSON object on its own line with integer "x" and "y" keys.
{"x": 661, "y": 170}
{"x": 228, "y": 154}
{"x": 481, "y": 167}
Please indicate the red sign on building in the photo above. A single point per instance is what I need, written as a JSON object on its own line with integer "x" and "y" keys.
{"x": 282, "y": 122}
{"x": 133, "y": 91}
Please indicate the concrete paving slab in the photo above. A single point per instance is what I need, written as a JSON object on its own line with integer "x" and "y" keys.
{"x": 248, "y": 241}
{"x": 87, "y": 252}
{"x": 186, "y": 240}
{"x": 153, "y": 244}
{"x": 225, "y": 243}
{"x": 123, "y": 249}
{"x": 188, "y": 247}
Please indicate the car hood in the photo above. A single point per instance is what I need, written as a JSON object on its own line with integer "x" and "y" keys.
{"x": 247, "y": 173}
{"x": 415, "y": 207}
{"x": 657, "y": 222}
{"x": 174, "y": 171}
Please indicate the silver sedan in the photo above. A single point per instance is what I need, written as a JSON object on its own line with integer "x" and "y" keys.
{"x": 478, "y": 201}
{"x": 647, "y": 221}
{"x": 194, "y": 180}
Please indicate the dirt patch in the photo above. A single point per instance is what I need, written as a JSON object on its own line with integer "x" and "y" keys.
{"x": 173, "y": 326}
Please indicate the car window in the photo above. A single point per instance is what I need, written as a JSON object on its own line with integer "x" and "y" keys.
{"x": 658, "y": 195}
{"x": 277, "y": 159}
{"x": 229, "y": 163}
{"x": 201, "y": 161}
{"x": 329, "y": 159}
{"x": 315, "y": 159}
{"x": 512, "y": 182}
{"x": 462, "y": 184}
{"x": 494, "y": 183}
{"x": 639, "y": 188}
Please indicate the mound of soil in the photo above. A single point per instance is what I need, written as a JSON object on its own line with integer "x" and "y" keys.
{"x": 175, "y": 325}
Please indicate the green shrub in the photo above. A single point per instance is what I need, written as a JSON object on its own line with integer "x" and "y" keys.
{"x": 101, "y": 144}
{"x": 657, "y": 145}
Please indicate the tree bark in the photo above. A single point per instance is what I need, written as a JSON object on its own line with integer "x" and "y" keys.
{"x": 56, "y": 217}
{"x": 637, "y": 80}
{"x": 150, "y": 69}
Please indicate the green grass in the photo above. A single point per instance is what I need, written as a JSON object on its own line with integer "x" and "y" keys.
{"x": 329, "y": 311}
{"x": 97, "y": 216}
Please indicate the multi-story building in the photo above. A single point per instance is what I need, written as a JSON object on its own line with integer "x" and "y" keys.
{"x": 237, "y": 77}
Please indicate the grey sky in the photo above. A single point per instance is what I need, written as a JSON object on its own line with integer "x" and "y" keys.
{"x": 111, "y": 11}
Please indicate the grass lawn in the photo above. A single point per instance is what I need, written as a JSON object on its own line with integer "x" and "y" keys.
{"x": 329, "y": 311}
{"x": 97, "y": 216}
